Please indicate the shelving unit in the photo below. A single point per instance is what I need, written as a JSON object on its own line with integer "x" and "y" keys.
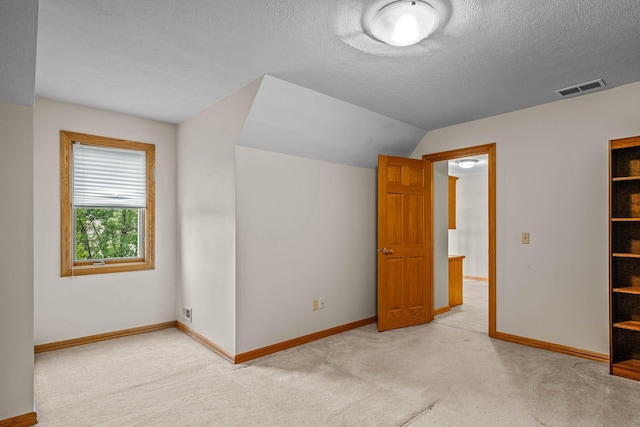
{"x": 624, "y": 244}
{"x": 629, "y": 290}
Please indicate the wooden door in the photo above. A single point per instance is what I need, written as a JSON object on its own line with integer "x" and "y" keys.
{"x": 404, "y": 260}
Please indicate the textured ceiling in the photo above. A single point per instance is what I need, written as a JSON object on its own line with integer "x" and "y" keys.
{"x": 169, "y": 59}
{"x": 18, "y": 29}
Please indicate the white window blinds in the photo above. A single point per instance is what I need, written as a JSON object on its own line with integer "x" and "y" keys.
{"x": 109, "y": 177}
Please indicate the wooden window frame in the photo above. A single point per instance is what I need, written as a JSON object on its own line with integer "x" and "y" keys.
{"x": 68, "y": 265}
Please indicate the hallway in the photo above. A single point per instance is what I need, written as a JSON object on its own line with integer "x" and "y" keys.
{"x": 472, "y": 315}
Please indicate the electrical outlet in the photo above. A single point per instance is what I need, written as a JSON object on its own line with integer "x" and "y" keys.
{"x": 187, "y": 313}
{"x": 314, "y": 306}
{"x": 525, "y": 238}
{"x": 321, "y": 303}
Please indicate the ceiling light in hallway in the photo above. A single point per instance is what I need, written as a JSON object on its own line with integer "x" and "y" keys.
{"x": 467, "y": 163}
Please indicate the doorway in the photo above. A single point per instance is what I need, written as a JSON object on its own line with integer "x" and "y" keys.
{"x": 438, "y": 161}
{"x": 464, "y": 270}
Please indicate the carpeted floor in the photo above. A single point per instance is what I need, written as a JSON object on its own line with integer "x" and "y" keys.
{"x": 428, "y": 375}
{"x": 473, "y": 314}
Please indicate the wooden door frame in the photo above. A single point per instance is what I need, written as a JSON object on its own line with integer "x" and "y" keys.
{"x": 490, "y": 151}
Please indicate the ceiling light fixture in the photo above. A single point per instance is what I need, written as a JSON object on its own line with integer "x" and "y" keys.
{"x": 404, "y": 23}
{"x": 467, "y": 163}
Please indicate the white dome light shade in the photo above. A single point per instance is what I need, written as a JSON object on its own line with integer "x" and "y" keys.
{"x": 467, "y": 163}
{"x": 404, "y": 23}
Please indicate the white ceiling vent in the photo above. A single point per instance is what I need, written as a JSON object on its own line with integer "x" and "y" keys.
{"x": 581, "y": 88}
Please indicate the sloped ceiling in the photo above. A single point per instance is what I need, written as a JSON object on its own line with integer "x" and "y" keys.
{"x": 290, "y": 119}
{"x": 18, "y": 29}
{"x": 169, "y": 59}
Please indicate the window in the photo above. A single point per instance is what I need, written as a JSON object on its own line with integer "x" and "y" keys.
{"x": 107, "y": 195}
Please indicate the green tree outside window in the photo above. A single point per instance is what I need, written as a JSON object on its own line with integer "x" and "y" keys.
{"x": 106, "y": 233}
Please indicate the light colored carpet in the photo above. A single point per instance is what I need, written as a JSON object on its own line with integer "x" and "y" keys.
{"x": 473, "y": 314}
{"x": 428, "y": 375}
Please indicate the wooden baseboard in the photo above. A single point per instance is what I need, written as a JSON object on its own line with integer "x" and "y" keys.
{"x": 441, "y": 310}
{"x": 476, "y": 278}
{"x": 24, "y": 420}
{"x": 205, "y": 342}
{"x": 585, "y": 354}
{"x": 40, "y": 348}
{"x": 264, "y": 351}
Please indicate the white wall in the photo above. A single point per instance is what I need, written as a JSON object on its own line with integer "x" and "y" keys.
{"x": 470, "y": 238}
{"x": 70, "y": 307}
{"x": 305, "y": 229}
{"x": 206, "y": 216}
{"x": 552, "y": 182}
{"x": 440, "y": 234}
{"x": 16, "y": 261}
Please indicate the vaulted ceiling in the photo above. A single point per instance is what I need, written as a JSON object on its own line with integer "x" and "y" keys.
{"x": 287, "y": 118}
{"x": 169, "y": 59}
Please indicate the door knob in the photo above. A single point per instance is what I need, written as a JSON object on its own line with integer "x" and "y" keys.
{"x": 386, "y": 251}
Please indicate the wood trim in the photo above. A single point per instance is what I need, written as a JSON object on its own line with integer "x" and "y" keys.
{"x": 441, "y": 310}
{"x": 610, "y": 251}
{"x": 206, "y": 342}
{"x": 103, "y": 141}
{"x": 628, "y": 369}
{"x": 40, "y": 348}
{"x": 625, "y": 373}
{"x": 476, "y": 278}
{"x": 452, "y": 202}
{"x": 381, "y": 211}
{"x": 460, "y": 153}
{"x": 115, "y": 267}
{"x": 492, "y": 239}
{"x": 264, "y": 351}
{"x": 24, "y": 420}
{"x": 631, "y": 141}
{"x": 428, "y": 170}
{"x": 490, "y": 151}
{"x": 66, "y": 232}
{"x": 558, "y": 348}
{"x": 67, "y": 265}
{"x": 428, "y": 238}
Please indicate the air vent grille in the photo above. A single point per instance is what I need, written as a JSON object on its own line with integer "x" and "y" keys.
{"x": 581, "y": 88}
{"x": 569, "y": 91}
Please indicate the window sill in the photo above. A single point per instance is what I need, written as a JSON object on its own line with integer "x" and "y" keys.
{"x": 116, "y": 267}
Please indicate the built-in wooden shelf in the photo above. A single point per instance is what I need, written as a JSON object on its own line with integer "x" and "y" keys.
{"x": 627, "y": 368}
{"x": 631, "y": 325}
{"x": 630, "y": 290}
{"x": 631, "y": 363}
{"x": 626, "y": 178}
{"x": 624, "y": 246}
{"x": 626, "y": 255}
